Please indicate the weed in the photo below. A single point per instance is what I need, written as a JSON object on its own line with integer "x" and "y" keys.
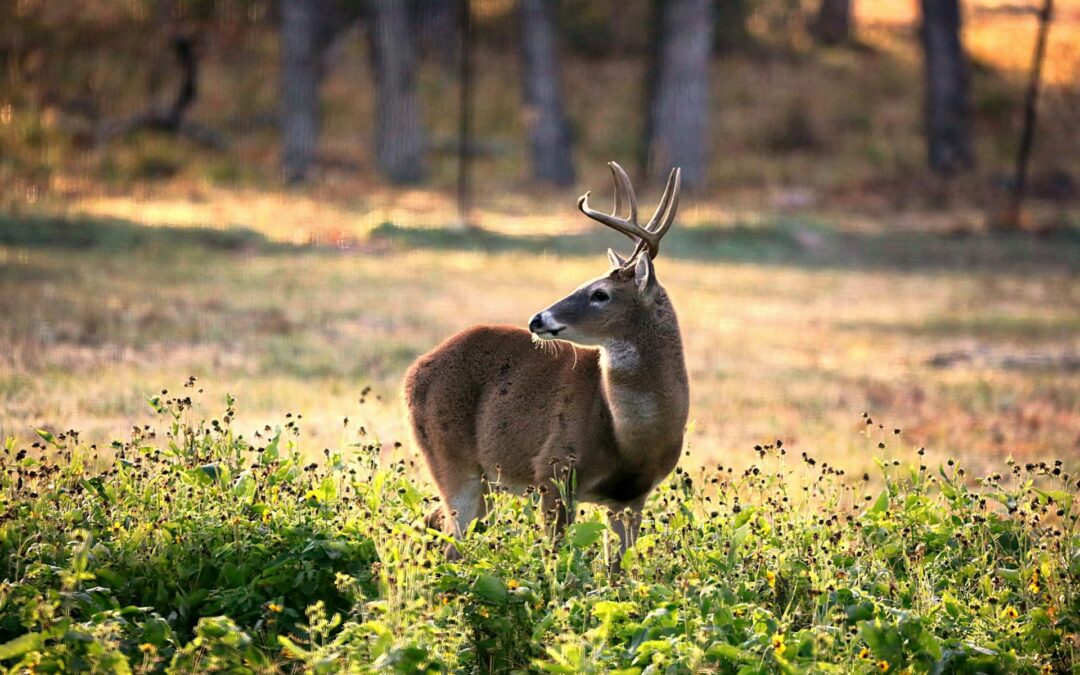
{"x": 191, "y": 548}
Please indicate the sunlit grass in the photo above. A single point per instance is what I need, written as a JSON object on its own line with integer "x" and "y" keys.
{"x": 782, "y": 338}
{"x": 190, "y": 547}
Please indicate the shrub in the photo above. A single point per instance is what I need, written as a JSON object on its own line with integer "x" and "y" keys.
{"x": 194, "y": 549}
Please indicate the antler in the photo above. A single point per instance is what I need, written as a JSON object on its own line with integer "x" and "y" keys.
{"x": 650, "y": 235}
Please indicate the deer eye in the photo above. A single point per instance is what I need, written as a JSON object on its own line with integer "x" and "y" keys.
{"x": 599, "y": 296}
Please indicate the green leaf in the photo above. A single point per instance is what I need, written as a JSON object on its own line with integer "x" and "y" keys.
{"x": 209, "y": 473}
{"x": 244, "y": 488}
{"x": 20, "y": 645}
{"x": 882, "y": 503}
{"x": 490, "y": 588}
{"x": 47, "y": 435}
{"x": 270, "y": 454}
{"x": 291, "y": 648}
{"x": 743, "y": 516}
{"x": 609, "y": 610}
{"x": 727, "y": 653}
{"x": 884, "y": 640}
{"x": 585, "y": 534}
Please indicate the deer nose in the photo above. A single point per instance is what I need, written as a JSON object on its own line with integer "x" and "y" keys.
{"x": 536, "y": 323}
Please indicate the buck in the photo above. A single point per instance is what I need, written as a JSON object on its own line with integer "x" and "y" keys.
{"x": 491, "y": 404}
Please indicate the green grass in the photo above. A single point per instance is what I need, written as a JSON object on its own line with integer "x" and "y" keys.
{"x": 191, "y": 548}
{"x": 115, "y": 235}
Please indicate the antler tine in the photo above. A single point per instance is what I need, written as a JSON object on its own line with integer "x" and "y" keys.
{"x": 628, "y": 226}
{"x": 664, "y": 216}
{"x": 669, "y": 204}
{"x": 623, "y": 181}
{"x": 648, "y": 237}
{"x": 632, "y": 230}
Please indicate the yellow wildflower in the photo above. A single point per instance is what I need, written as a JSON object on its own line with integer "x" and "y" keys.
{"x": 778, "y": 643}
{"x": 770, "y": 576}
{"x": 1011, "y": 612}
{"x": 864, "y": 653}
{"x": 147, "y": 648}
{"x": 275, "y": 608}
{"x": 512, "y": 584}
{"x": 883, "y": 666}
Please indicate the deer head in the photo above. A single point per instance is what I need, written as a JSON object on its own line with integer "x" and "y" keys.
{"x": 619, "y": 303}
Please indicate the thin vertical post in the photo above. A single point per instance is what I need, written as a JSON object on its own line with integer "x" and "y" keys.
{"x": 464, "y": 187}
{"x": 1027, "y": 135}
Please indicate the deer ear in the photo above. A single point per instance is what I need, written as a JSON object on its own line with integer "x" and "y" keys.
{"x": 645, "y": 275}
{"x": 614, "y": 259}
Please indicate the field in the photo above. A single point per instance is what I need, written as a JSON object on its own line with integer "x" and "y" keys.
{"x": 199, "y": 551}
{"x": 205, "y": 465}
{"x": 793, "y": 329}
{"x": 224, "y": 539}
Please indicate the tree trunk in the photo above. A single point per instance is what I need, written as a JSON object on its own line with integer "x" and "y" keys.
{"x": 545, "y": 119}
{"x": 399, "y": 132}
{"x": 730, "y": 32}
{"x": 677, "y": 113}
{"x": 299, "y": 87}
{"x": 833, "y": 23}
{"x": 945, "y": 66}
{"x": 435, "y": 29}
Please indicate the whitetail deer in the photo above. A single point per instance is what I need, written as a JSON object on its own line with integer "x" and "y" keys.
{"x": 488, "y": 404}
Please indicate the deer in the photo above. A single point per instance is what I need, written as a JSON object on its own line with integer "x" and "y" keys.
{"x": 491, "y": 404}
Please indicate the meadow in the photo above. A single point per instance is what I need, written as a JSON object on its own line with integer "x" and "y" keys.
{"x": 195, "y": 549}
{"x": 792, "y": 328}
{"x": 267, "y": 514}
{"x": 205, "y": 467}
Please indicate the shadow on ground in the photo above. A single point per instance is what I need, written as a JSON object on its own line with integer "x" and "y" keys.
{"x": 794, "y": 243}
{"x": 789, "y": 243}
{"x": 119, "y": 235}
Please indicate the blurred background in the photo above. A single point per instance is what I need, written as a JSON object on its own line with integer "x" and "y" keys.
{"x": 292, "y": 199}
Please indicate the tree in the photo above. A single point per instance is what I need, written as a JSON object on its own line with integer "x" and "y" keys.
{"x": 299, "y": 87}
{"x": 945, "y": 66}
{"x": 434, "y": 25}
{"x": 832, "y": 25}
{"x": 677, "y": 90}
{"x": 399, "y": 132}
{"x": 730, "y": 28}
{"x": 548, "y": 128}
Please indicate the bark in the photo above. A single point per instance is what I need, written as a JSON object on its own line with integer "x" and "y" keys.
{"x": 545, "y": 118}
{"x": 730, "y": 32}
{"x": 435, "y": 27}
{"x": 948, "y": 136}
{"x": 677, "y": 109}
{"x": 300, "y": 75}
{"x": 170, "y": 117}
{"x": 465, "y": 101}
{"x": 399, "y": 133}
{"x": 833, "y": 23}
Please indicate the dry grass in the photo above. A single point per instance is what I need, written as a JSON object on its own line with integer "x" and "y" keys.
{"x": 784, "y": 339}
{"x": 794, "y": 328}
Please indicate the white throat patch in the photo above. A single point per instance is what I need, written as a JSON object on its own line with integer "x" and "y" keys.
{"x": 620, "y": 355}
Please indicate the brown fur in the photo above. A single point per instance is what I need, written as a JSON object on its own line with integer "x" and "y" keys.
{"x": 493, "y": 403}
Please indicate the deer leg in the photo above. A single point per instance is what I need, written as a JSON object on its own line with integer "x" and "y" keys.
{"x": 463, "y": 502}
{"x": 557, "y": 513}
{"x": 466, "y": 503}
{"x": 625, "y": 522}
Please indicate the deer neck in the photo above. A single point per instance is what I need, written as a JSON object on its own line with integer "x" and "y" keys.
{"x": 645, "y": 386}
